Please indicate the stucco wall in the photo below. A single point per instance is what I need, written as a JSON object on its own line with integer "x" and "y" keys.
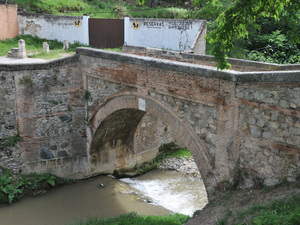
{"x": 172, "y": 34}
{"x": 54, "y": 27}
{"x": 9, "y": 21}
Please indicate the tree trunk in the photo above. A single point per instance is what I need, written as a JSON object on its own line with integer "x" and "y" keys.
{"x": 153, "y": 4}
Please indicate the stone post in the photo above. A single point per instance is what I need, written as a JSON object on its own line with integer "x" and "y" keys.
{"x": 46, "y": 47}
{"x": 22, "y": 50}
{"x": 66, "y": 45}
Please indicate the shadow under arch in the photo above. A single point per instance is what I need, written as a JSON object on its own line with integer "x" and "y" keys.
{"x": 113, "y": 123}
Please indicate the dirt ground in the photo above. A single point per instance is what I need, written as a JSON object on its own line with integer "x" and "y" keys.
{"x": 237, "y": 200}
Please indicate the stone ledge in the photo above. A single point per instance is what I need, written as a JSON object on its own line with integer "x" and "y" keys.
{"x": 189, "y": 68}
{"x": 39, "y": 66}
{"x": 205, "y": 71}
{"x": 239, "y": 63}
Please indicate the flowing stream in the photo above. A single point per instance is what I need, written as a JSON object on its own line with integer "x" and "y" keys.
{"x": 155, "y": 193}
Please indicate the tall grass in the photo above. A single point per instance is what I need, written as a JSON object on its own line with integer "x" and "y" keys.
{"x": 134, "y": 218}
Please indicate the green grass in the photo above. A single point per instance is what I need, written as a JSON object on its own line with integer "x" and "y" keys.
{"x": 166, "y": 151}
{"x": 285, "y": 211}
{"x": 113, "y": 49}
{"x": 134, "y": 218}
{"x": 34, "y": 47}
{"x": 181, "y": 153}
{"x": 53, "y": 54}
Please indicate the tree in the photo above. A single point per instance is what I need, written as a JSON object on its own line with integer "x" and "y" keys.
{"x": 233, "y": 23}
{"x": 153, "y": 3}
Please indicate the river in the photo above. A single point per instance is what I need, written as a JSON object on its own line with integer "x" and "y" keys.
{"x": 155, "y": 193}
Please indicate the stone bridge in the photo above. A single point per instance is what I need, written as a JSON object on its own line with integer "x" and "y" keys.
{"x": 97, "y": 111}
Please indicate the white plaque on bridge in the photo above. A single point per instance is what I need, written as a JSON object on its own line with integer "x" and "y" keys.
{"x": 142, "y": 104}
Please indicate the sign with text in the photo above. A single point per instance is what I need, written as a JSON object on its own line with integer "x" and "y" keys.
{"x": 170, "y": 34}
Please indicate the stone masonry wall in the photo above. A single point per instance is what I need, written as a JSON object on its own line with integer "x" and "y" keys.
{"x": 8, "y": 119}
{"x": 178, "y": 90}
{"x": 253, "y": 123}
{"x": 49, "y": 103}
{"x": 9, "y": 156}
{"x": 269, "y": 127}
{"x": 249, "y": 119}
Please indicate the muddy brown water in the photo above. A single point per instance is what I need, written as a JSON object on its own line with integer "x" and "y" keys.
{"x": 87, "y": 198}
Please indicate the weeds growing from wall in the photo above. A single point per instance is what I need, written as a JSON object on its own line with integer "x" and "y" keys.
{"x": 87, "y": 96}
{"x": 11, "y": 141}
{"x": 27, "y": 81}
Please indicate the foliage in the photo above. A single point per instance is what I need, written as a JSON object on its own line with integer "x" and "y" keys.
{"x": 160, "y": 12}
{"x": 209, "y": 10}
{"x": 226, "y": 216}
{"x": 12, "y": 140}
{"x": 134, "y": 218}
{"x": 284, "y": 211}
{"x": 8, "y": 189}
{"x": 118, "y": 10}
{"x": 181, "y": 153}
{"x": 14, "y": 187}
{"x": 87, "y": 95}
{"x": 232, "y": 24}
{"x": 169, "y": 150}
{"x": 52, "y": 6}
{"x": 105, "y": 9}
{"x": 27, "y": 80}
{"x": 273, "y": 48}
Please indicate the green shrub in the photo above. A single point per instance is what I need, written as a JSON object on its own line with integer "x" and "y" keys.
{"x": 13, "y": 187}
{"x": 52, "y": 6}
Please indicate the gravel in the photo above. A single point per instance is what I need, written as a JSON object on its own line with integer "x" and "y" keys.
{"x": 185, "y": 166}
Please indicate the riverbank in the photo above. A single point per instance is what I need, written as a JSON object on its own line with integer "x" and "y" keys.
{"x": 228, "y": 207}
{"x": 14, "y": 187}
{"x": 279, "y": 204}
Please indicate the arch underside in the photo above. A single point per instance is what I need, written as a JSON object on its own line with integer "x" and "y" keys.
{"x": 113, "y": 124}
{"x": 115, "y": 134}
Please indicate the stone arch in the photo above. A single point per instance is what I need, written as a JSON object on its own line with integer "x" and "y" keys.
{"x": 129, "y": 108}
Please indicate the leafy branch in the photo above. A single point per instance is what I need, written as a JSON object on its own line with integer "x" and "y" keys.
{"x": 233, "y": 23}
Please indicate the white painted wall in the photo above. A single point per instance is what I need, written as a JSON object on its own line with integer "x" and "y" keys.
{"x": 55, "y": 27}
{"x": 171, "y": 34}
